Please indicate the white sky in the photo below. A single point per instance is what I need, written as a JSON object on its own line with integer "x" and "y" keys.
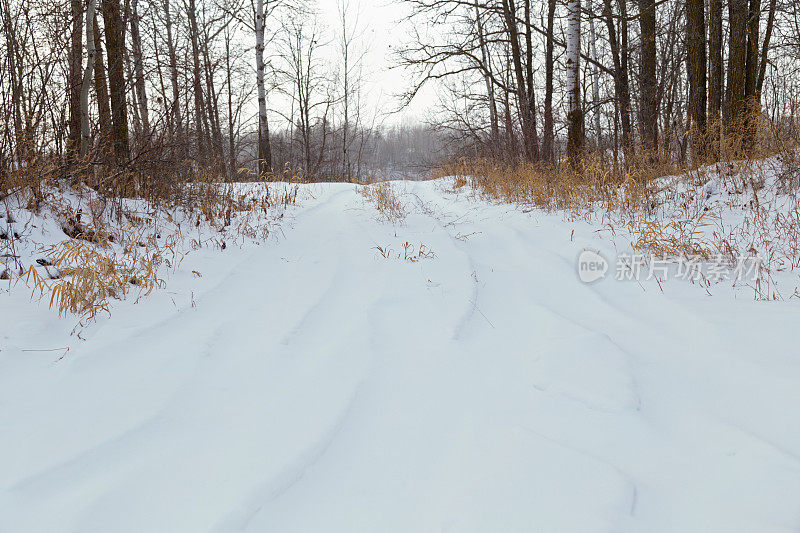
{"x": 384, "y": 30}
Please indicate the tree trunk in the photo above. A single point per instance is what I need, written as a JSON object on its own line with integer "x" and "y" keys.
{"x": 511, "y": 140}
{"x": 87, "y": 79}
{"x": 751, "y": 61}
{"x": 715, "y": 75}
{"x": 510, "y": 19}
{"x": 598, "y": 132}
{"x": 529, "y": 78}
{"x": 264, "y": 148}
{"x": 625, "y": 86}
{"x": 696, "y": 65}
{"x": 75, "y": 80}
{"x": 231, "y": 140}
{"x": 346, "y": 102}
{"x": 648, "y": 106}
{"x": 737, "y": 57}
{"x": 344, "y": 47}
{"x": 134, "y": 101}
{"x": 212, "y": 107}
{"x": 20, "y": 151}
{"x": 163, "y": 98}
{"x": 548, "y": 137}
{"x": 622, "y": 94}
{"x": 715, "y": 78}
{"x": 752, "y": 106}
{"x": 486, "y": 59}
{"x": 173, "y": 71}
{"x": 138, "y": 69}
{"x": 115, "y": 46}
{"x": 762, "y": 69}
{"x": 100, "y": 84}
{"x": 575, "y": 113}
{"x": 201, "y": 130}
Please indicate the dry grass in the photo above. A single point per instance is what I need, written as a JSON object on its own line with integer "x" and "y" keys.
{"x": 674, "y": 238}
{"x": 384, "y": 197}
{"x": 663, "y": 208}
{"x": 596, "y": 187}
{"x": 407, "y": 252}
{"x": 121, "y": 235}
{"x": 84, "y": 277}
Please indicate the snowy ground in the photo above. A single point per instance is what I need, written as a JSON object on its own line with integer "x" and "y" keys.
{"x": 315, "y": 383}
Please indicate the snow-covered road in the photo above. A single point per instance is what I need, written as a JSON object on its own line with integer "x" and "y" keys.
{"x": 316, "y": 385}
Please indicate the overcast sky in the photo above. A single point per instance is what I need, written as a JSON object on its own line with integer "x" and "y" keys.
{"x": 384, "y": 30}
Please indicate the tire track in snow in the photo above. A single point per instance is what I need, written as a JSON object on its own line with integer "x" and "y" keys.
{"x": 472, "y": 301}
{"x": 507, "y": 242}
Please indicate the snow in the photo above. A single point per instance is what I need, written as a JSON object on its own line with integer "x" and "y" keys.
{"x": 313, "y": 383}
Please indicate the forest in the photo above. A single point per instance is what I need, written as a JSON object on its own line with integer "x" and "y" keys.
{"x": 220, "y": 90}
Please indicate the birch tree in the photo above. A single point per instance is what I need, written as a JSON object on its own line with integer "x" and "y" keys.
{"x": 264, "y": 149}
{"x": 575, "y": 113}
{"x": 87, "y": 78}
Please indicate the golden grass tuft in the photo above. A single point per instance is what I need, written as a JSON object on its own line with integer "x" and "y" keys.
{"x": 673, "y": 238}
{"x": 666, "y": 221}
{"x": 596, "y": 186}
{"x": 113, "y": 247}
{"x": 384, "y": 197}
{"x": 86, "y": 276}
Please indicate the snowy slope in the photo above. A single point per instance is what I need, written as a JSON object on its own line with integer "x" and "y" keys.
{"x": 323, "y": 382}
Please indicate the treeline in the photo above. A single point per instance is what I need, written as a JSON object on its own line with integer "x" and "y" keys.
{"x": 193, "y": 88}
{"x": 672, "y": 80}
{"x": 403, "y": 151}
{"x": 235, "y": 88}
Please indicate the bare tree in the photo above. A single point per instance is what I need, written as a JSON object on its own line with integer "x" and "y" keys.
{"x": 696, "y": 64}
{"x": 737, "y": 57}
{"x": 575, "y": 112}
{"x": 648, "y": 105}
{"x": 175, "y": 107}
{"x": 308, "y": 82}
{"x": 87, "y": 78}
{"x": 619, "y": 55}
{"x": 138, "y": 68}
{"x": 115, "y": 46}
{"x": 715, "y": 67}
{"x": 547, "y": 142}
{"x": 264, "y": 149}
{"x": 598, "y": 132}
{"x": 200, "y": 117}
{"x": 351, "y": 56}
{"x": 524, "y": 105}
{"x": 100, "y": 82}
{"x": 188, "y": 83}
{"x": 75, "y": 71}
{"x": 487, "y": 78}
